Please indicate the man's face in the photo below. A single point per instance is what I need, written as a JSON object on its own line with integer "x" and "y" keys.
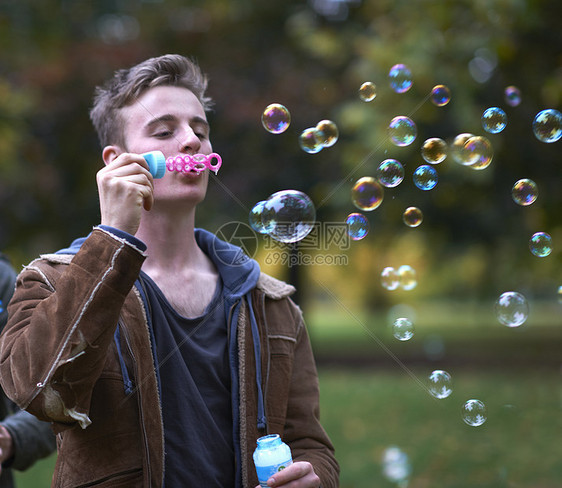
{"x": 172, "y": 120}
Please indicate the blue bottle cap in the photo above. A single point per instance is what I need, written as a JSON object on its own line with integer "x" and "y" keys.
{"x": 156, "y": 163}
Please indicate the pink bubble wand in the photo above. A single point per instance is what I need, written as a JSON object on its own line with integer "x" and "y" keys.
{"x": 158, "y": 165}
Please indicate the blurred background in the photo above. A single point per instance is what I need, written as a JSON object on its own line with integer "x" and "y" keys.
{"x": 472, "y": 246}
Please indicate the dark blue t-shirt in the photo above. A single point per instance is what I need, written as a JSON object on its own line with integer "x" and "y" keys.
{"x": 194, "y": 374}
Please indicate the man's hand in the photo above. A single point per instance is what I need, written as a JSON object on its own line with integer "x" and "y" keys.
{"x": 6, "y": 445}
{"x": 125, "y": 187}
{"x": 298, "y": 475}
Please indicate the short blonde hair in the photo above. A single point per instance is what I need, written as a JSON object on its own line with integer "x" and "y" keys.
{"x": 128, "y": 84}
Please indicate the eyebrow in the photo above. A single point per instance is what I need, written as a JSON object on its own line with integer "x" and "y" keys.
{"x": 172, "y": 118}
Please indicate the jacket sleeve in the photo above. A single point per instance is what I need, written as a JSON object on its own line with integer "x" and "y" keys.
{"x": 7, "y": 284}
{"x": 303, "y": 431}
{"x": 32, "y": 438}
{"x": 61, "y": 323}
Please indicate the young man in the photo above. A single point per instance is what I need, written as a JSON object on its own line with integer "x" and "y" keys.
{"x": 159, "y": 352}
{"x": 24, "y": 439}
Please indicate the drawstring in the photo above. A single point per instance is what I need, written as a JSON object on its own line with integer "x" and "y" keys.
{"x": 257, "y": 354}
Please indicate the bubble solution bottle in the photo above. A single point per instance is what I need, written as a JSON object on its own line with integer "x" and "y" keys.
{"x": 271, "y": 456}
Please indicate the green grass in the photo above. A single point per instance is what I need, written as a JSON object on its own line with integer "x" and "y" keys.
{"x": 518, "y": 446}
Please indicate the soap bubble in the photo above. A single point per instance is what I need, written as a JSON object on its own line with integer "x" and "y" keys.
{"x": 407, "y": 277}
{"x": 478, "y": 152}
{"x": 403, "y": 329}
{"x": 310, "y": 140}
{"x": 400, "y": 78}
{"x": 412, "y": 216}
{"x": 367, "y": 194}
{"x": 494, "y": 120}
{"x": 511, "y": 309}
{"x": 396, "y": 466}
{"x": 276, "y": 118}
{"x": 560, "y": 294}
{"x": 524, "y": 192}
{"x": 256, "y": 220}
{"x": 290, "y": 214}
{"x": 540, "y": 244}
{"x": 357, "y": 226}
{"x": 367, "y": 91}
{"x": 434, "y": 150}
{"x": 402, "y": 131}
{"x": 328, "y": 132}
{"x": 390, "y": 278}
{"x": 512, "y": 96}
{"x": 390, "y": 173}
{"x": 440, "y": 95}
{"x": 440, "y": 384}
{"x": 547, "y": 125}
{"x": 457, "y": 148}
{"x": 425, "y": 177}
{"x": 474, "y": 413}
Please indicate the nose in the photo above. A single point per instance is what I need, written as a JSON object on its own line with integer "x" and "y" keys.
{"x": 189, "y": 142}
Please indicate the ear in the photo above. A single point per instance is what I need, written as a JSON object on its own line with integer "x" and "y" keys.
{"x": 109, "y": 153}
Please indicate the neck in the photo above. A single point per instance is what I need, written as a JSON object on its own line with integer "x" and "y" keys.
{"x": 170, "y": 240}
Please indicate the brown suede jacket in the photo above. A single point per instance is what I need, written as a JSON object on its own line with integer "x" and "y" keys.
{"x": 59, "y": 360}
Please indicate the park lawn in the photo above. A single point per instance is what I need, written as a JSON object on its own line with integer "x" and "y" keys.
{"x": 366, "y": 411}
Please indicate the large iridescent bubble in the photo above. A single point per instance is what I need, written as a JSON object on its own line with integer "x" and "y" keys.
{"x": 434, "y": 150}
{"x": 547, "y": 125}
{"x": 511, "y": 309}
{"x": 311, "y": 141}
{"x": 494, "y": 120}
{"x": 367, "y": 193}
{"x": 402, "y": 130}
{"x": 524, "y": 192}
{"x": 357, "y": 226}
{"x": 425, "y": 177}
{"x": 390, "y": 173}
{"x": 400, "y": 78}
{"x": 290, "y": 214}
{"x": 276, "y": 118}
{"x": 440, "y": 95}
{"x": 367, "y": 91}
{"x": 540, "y": 244}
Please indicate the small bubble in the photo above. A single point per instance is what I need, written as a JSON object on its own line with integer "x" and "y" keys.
{"x": 276, "y": 118}
{"x": 478, "y": 152}
{"x": 540, "y": 244}
{"x": 290, "y": 214}
{"x": 412, "y": 216}
{"x": 512, "y": 96}
{"x": 511, "y": 309}
{"x": 402, "y": 131}
{"x": 440, "y": 384}
{"x": 407, "y": 276}
{"x": 425, "y": 177}
{"x": 390, "y": 173}
{"x": 494, "y": 120}
{"x": 559, "y": 292}
{"x": 390, "y": 278}
{"x": 310, "y": 141}
{"x": 328, "y": 132}
{"x": 396, "y": 466}
{"x": 367, "y": 194}
{"x": 403, "y": 329}
{"x": 357, "y": 226}
{"x": 547, "y": 125}
{"x": 256, "y": 221}
{"x": 457, "y": 148}
{"x": 367, "y": 91}
{"x": 434, "y": 150}
{"x": 440, "y": 95}
{"x": 400, "y": 78}
{"x": 474, "y": 413}
{"x": 524, "y": 192}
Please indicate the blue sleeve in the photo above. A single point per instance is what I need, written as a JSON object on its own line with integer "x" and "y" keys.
{"x": 121, "y": 234}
